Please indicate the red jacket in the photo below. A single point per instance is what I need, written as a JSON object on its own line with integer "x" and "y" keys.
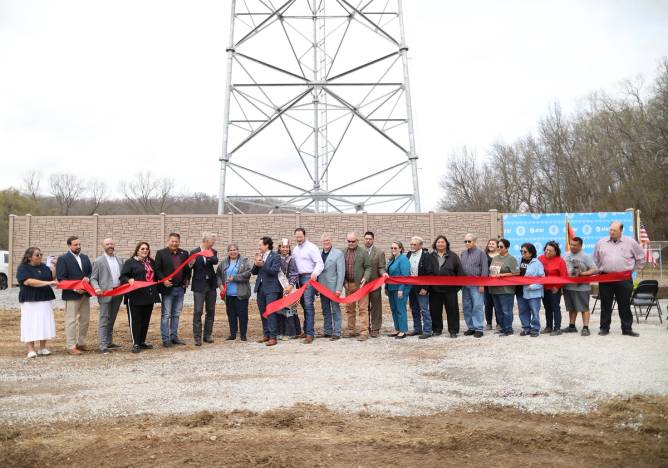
{"x": 555, "y": 266}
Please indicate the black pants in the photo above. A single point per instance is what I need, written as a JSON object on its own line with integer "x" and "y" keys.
{"x": 621, "y": 292}
{"x": 201, "y": 300}
{"x": 237, "y": 315}
{"x": 490, "y": 310}
{"x": 139, "y": 317}
{"x": 552, "y": 305}
{"x": 436, "y": 303}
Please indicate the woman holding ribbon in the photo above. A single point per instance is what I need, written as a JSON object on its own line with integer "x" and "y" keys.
{"x": 35, "y": 297}
{"x": 234, "y": 274}
{"x": 554, "y": 265}
{"x": 503, "y": 265}
{"x": 490, "y": 311}
{"x": 444, "y": 262}
{"x": 528, "y": 302}
{"x": 140, "y": 267}
{"x": 398, "y": 265}
{"x": 287, "y": 318}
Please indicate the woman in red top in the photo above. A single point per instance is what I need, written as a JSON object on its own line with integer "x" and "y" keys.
{"x": 554, "y": 265}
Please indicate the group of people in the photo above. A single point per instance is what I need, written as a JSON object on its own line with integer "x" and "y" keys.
{"x": 279, "y": 272}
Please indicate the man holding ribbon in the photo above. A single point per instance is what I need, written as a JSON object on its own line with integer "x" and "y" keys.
{"x": 617, "y": 253}
{"x": 106, "y": 276}
{"x": 204, "y": 286}
{"x": 310, "y": 265}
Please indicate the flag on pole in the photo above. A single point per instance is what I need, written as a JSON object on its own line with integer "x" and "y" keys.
{"x": 570, "y": 234}
{"x": 645, "y": 244}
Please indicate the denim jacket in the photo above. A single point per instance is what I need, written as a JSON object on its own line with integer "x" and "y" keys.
{"x": 531, "y": 291}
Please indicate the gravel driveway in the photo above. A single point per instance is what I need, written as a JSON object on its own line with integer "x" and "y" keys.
{"x": 387, "y": 376}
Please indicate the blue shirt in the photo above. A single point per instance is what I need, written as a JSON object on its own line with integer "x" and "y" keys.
{"x": 232, "y": 269}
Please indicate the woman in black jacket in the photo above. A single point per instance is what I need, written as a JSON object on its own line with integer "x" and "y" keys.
{"x": 444, "y": 262}
{"x": 140, "y": 267}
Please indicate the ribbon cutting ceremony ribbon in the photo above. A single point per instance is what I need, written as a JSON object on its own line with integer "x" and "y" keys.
{"x": 295, "y": 296}
{"x": 126, "y": 288}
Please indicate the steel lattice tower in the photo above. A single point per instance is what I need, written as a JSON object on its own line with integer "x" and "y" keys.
{"x": 317, "y": 109}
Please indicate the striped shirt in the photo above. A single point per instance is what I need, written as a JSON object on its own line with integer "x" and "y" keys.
{"x": 474, "y": 262}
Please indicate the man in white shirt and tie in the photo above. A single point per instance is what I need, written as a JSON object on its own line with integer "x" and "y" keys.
{"x": 310, "y": 265}
{"x": 105, "y": 276}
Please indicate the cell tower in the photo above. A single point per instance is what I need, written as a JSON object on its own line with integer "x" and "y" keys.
{"x": 317, "y": 110}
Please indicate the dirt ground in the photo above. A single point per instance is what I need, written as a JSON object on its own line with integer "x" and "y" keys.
{"x": 621, "y": 432}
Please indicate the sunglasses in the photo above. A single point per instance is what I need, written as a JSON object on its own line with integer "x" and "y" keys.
{"x": 351, "y": 242}
{"x": 501, "y": 246}
{"x": 525, "y": 251}
{"x": 394, "y": 248}
{"x": 37, "y": 255}
{"x": 468, "y": 241}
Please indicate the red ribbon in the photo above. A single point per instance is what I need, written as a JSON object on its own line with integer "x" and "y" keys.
{"x": 295, "y": 296}
{"x": 126, "y": 288}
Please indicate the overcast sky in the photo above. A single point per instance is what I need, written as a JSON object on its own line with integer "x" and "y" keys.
{"x": 107, "y": 89}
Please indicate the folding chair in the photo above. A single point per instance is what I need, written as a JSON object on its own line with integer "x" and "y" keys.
{"x": 596, "y": 299}
{"x": 645, "y": 295}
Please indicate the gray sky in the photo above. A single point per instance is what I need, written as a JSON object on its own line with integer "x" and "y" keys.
{"x": 108, "y": 89}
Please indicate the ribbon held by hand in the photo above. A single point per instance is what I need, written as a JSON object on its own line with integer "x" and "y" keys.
{"x": 126, "y": 288}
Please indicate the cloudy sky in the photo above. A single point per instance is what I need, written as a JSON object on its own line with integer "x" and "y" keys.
{"x": 107, "y": 89}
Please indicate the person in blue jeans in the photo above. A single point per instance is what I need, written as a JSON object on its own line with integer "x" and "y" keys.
{"x": 167, "y": 260}
{"x": 529, "y": 301}
{"x": 474, "y": 262}
{"x": 503, "y": 265}
{"x": 418, "y": 298}
{"x": 398, "y": 265}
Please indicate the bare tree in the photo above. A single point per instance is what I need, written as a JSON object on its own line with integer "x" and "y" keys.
{"x": 149, "y": 195}
{"x": 31, "y": 182}
{"x": 97, "y": 191}
{"x": 66, "y": 189}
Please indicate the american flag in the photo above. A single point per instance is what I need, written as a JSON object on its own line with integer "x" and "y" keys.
{"x": 645, "y": 243}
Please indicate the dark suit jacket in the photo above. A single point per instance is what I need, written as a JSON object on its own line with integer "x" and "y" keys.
{"x": 164, "y": 267}
{"x": 67, "y": 268}
{"x": 423, "y": 268}
{"x": 267, "y": 275}
{"x": 203, "y": 272}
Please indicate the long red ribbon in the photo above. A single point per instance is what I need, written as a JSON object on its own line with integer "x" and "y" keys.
{"x": 126, "y": 288}
{"x": 295, "y": 296}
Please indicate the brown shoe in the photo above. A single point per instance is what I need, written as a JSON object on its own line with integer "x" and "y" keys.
{"x": 374, "y": 334}
{"x": 271, "y": 342}
{"x": 303, "y": 335}
{"x": 350, "y": 335}
{"x": 74, "y": 351}
{"x": 264, "y": 339}
{"x": 362, "y": 338}
{"x": 308, "y": 340}
{"x": 82, "y": 348}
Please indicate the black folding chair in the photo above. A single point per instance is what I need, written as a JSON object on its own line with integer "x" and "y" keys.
{"x": 645, "y": 295}
{"x": 596, "y": 299}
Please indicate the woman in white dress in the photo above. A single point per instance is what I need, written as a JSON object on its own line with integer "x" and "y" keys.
{"x": 35, "y": 296}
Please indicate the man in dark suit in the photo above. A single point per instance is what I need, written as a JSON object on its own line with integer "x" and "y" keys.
{"x": 378, "y": 263}
{"x": 173, "y": 290}
{"x": 204, "y": 284}
{"x": 74, "y": 265}
{"x": 267, "y": 287}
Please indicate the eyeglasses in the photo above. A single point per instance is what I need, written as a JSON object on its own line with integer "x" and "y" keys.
{"x": 501, "y": 246}
{"x": 394, "y": 248}
{"x": 144, "y": 248}
{"x": 525, "y": 251}
{"x": 468, "y": 241}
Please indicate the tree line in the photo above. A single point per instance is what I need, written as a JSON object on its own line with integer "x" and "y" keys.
{"x": 608, "y": 155}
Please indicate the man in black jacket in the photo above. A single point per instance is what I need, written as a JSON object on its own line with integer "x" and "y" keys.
{"x": 173, "y": 290}
{"x": 204, "y": 284}
{"x": 419, "y": 295}
{"x": 74, "y": 265}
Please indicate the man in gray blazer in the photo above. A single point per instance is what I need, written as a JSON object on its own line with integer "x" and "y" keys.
{"x": 332, "y": 277}
{"x": 105, "y": 276}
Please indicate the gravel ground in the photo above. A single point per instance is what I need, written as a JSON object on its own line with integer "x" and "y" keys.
{"x": 382, "y": 376}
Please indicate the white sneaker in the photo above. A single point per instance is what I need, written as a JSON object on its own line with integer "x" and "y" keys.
{"x": 44, "y": 352}
{"x": 32, "y": 354}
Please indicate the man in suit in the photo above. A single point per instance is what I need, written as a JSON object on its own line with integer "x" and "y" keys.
{"x": 331, "y": 277}
{"x": 172, "y": 291}
{"x": 105, "y": 276}
{"x": 357, "y": 273}
{"x": 204, "y": 284}
{"x": 378, "y": 263}
{"x": 74, "y": 265}
{"x": 267, "y": 287}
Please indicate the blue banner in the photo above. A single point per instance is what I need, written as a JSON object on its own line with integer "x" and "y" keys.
{"x": 541, "y": 228}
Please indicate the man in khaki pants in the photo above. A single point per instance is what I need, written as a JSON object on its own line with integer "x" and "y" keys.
{"x": 357, "y": 274}
{"x": 378, "y": 263}
{"x": 73, "y": 265}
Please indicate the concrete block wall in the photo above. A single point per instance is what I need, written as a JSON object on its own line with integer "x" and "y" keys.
{"x": 49, "y": 233}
